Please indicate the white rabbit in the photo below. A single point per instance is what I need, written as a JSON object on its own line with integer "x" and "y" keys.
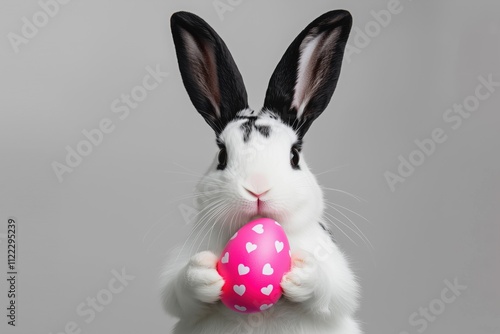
{"x": 260, "y": 172}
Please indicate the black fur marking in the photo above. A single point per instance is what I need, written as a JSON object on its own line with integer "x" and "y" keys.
{"x": 264, "y": 130}
{"x": 298, "y": 145}
{"x": 220, "y": 143}
{"x": 328, "y": 231}
{"x": 252, "y": 118}
{"x": 268, "y": 113}
{"x": 248, "y": 126}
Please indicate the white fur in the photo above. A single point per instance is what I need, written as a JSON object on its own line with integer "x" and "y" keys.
{"x": 320, "y": 292}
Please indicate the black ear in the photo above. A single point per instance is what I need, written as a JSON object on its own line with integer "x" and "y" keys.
{"x": 211, "y": 78}
{"x": 304, "y": 80}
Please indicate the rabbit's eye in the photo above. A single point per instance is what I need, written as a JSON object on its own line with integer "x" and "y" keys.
{"x": 294, "y": 158}
{"x": 222, "y": 159}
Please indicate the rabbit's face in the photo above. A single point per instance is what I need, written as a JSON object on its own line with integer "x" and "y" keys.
{"x": 260, "y": 172}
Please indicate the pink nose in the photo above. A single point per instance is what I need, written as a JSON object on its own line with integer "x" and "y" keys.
{"x": 257, "y": 195}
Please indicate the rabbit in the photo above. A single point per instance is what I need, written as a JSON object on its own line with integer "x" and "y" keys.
{"x": 260, "y": 171}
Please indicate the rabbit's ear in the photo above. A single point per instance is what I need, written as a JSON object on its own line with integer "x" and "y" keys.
{"x": 304, "y": 80}
{"x": 211, "y": 77}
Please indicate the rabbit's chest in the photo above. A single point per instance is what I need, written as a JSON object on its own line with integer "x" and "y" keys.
{"x": 283, "y": 318}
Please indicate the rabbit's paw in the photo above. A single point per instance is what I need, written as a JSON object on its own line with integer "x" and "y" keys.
{"x": 300, "y": 283}
{"x": 202, "y": 277}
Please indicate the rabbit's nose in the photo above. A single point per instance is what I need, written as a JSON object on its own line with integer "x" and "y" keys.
{"x": 257, "y": 195}
{"x": 257, "y": 184}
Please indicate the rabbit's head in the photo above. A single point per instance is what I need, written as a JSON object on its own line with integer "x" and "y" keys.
{"x": 259, "y": 170}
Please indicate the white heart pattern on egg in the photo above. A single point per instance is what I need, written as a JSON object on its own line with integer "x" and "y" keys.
{"x": 243, "y": 270}
{"x": 225, "y": 259}
{"x": 279, "y": 246}
{"x": 239, "y": 289}
{"x": 250, "y": 247}
{"x": 267, "y": 270}
{"x": 259, "y": 228}
{"x": 267, "y": 290}
{"x": 240, "y": 308}
{"x": 234, "y": 236}
{"x": 264, "y": 307}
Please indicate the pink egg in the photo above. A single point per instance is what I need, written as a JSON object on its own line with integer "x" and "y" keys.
{"x": 253, "y": 264}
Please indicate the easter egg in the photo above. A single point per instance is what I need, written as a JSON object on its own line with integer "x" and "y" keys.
{"x": 252, "y": 265}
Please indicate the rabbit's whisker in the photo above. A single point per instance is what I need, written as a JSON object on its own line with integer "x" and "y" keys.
{"x": 332, "y": 222}
{"x": 347, "y": 209}
{"x": 368, "y": 243}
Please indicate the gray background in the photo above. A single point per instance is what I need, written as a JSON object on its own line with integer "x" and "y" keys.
{"x": 122, "y": 207}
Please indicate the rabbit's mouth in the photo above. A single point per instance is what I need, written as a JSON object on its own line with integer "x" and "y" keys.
{"x": 259, "y": 205}
{"x": 263, "y": 209}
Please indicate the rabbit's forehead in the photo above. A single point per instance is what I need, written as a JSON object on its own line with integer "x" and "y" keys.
{"x": 251, "y": 129}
